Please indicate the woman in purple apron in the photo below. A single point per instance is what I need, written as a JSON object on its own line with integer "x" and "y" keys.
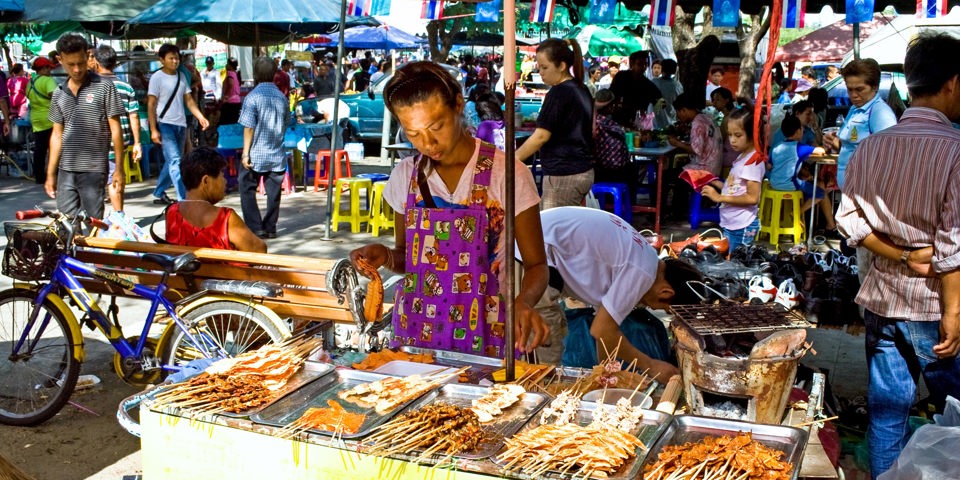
{"x": 449, "y": 227}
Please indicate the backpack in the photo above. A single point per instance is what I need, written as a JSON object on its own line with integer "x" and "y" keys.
{"x": 610, "y": 144}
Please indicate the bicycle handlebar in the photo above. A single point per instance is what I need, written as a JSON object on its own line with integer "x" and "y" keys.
{"x": 28, "y": 214}
{"x": 37, "y": 213}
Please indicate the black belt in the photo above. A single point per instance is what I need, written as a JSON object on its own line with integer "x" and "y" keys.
{"x": 555, "y": 280}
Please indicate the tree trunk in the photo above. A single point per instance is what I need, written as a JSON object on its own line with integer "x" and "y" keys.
{"x": 683, "y": 36}
{"x": 441, "y": 40}
{"x": 749, "y": 39}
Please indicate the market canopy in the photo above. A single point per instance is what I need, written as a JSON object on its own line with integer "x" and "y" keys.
{"x": 381, "y": 37}
{"x": 830, "y": 43}
{"x": 485, "y": 39}
{"x": 600, "y": 41}
{"x": 888, "y": 46}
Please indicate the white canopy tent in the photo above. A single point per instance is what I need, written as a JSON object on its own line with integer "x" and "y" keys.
{"x": 888, "y": 46}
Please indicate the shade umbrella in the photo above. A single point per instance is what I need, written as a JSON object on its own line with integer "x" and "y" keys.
{"x": 381, "y": 37}
{"x": 600, "y": 41}
{"x": 485, "y": 39}
{"x": 830, "y": 43}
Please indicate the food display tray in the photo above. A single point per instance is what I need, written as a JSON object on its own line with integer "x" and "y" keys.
{"x": 480, "y": 367}
{"x": 509, "y": 422}
{"x": 692, "y": 428}
{"x": 310, "y": 372}
{"x": 652, "y": 427}
{"x": 289, "y": 408}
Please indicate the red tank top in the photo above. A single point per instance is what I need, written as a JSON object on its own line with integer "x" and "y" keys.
{"x": 182, "y": 232}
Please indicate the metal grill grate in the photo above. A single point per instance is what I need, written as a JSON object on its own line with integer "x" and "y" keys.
{"x": 724, "y": 318}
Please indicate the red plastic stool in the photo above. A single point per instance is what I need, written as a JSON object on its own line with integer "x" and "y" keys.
{"x": 338, "y": 170}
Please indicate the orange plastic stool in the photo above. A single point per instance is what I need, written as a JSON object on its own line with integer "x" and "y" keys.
{"x": 338, "y": 168}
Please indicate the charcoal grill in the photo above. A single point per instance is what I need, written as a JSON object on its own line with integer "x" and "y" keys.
{"x": 737, "y": 387}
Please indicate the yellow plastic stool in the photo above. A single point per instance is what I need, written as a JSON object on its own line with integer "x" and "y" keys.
{"x": 131, "y": 169}
{"x": 381, "y": 213}
{"x": 355, "y": 216}
{"x": 771, "y": 223}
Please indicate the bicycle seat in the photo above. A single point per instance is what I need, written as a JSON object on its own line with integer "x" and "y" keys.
{"x": 185, "y": 263}
{"x": 248, "y": 288}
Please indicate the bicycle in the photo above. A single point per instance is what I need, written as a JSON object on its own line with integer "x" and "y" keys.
{"x": 41, "y": 346}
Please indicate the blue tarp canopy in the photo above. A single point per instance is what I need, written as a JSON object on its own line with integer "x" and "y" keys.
{"x": 11, "y": 6}
{"x": 382, "y": 37}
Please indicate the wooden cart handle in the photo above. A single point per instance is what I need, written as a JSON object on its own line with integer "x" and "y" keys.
{"x": 668, "y": 401}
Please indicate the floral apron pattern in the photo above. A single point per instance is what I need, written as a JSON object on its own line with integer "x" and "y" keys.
{"x": 450, "y": 296}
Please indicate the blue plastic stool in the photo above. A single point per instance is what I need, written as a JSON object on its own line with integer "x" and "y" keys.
{"x": 374, "y": 177}
{"x": 649, "y": 186}
{"x": 698, "y": 214}
{"x": 621, "y": 200}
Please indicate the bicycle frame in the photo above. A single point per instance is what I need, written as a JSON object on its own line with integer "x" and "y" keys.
{"x": 63, "y": 277}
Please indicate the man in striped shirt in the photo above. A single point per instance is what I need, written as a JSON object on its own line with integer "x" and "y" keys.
{"x": 901, "y": 200}
{"x": 106, "y": 61}
{"x": 85, "y": 111}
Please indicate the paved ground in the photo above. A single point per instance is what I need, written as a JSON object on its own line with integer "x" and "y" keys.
{"x": 85, "y": 441}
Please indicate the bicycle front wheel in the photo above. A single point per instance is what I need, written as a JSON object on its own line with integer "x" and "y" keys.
{"x": 225, "y": 328}
{"x": 37, "y": 378}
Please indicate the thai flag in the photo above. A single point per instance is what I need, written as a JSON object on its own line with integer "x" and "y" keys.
{"x": 931, "y": 8}
{"x": 793, "y": 11}
{"x": 542, "y": 10}
{"x": 432, "y": 10}
{"x": 365, "y": 8}
{"x": 662, "y": 12}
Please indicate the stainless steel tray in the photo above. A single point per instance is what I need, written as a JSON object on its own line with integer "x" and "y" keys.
{"x": 480, "y": 367}
{"x": 506, "y": 424}
{"x": 651, "y": 428}
{"x": 691, "y": 428}
{"x": 286, "y": 410}
{"x": 311, "y": 371}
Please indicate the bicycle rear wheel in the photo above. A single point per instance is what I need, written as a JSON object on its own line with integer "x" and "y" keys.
{"x": 227, "y": 326}
{"x": 34, "y": 383}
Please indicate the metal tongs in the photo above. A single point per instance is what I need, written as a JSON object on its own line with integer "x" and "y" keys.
{"x": 343, "y": 282}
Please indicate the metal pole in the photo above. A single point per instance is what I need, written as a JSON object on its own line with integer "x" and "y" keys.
{"x": 510, "y": 90}
{"x": 387, "y": 119}
{"x": 335, "y": 128}
{"x": 856, "y": 41}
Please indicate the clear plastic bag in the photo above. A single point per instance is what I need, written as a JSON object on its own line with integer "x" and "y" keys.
{"x": 931, "y": 453}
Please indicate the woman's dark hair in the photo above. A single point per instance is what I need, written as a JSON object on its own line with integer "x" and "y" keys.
{"x": 802, "y": 105}
{"x": 478, "y": 91}
{"x": 565, "y": 51}
{"x": 418, "y": 81}
{"x": 677, "y": 274}
{"x": 306, "y": 90}
{"x": 818, "y": 98}
{"x": 166, "y": 49}
{"x": 687, "y": 100}
{"x": 17, "y": 68}
{"x": 72, "y": 43}
{"x": 867, "y": 68}
{"x": 199, "y": 162}
{"x": 926, "y": 74}
{"x": 745, "y": 116}
{"x": 724, "y": 93}
{"x": 488, "y": 109}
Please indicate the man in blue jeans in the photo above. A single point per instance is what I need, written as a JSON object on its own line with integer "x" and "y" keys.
{"x": 901, "y": 201}
{"x": 168, "y": 96}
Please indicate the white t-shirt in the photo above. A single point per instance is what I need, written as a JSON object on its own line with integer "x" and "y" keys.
{"x": 735, "y": 217}
{"x": 602, "y": 259}
{"x": 710, "y": 88}
{"x": 395, "y": 193}
{"x": 211, "y": 83}
{"x": 161, "y": 86}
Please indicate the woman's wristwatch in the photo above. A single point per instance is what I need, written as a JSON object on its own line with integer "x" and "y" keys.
{"x": 905, "y": 256}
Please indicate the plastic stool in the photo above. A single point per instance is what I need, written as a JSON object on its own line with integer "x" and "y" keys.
{"x": 771, "y": 223}
{"x": 698, "y": 214}
{"x": 337, "y": 168}
{"x": 381, "y": 214}
{"x": 375, "y": 177}
{"x": 621, "y": 200}
{"x": 131, "y": 170}
{"x": 286, "y": 185}
{"x": 353, "y": 215}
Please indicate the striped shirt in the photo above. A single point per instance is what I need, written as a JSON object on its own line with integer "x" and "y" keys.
{"x": 128, "y": 97}
{"x": 903, "y": 182}
{"x": 86, "y": 132}
{"x": 266, "y": 111}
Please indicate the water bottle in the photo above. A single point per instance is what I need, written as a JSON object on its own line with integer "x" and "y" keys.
{"x": 839, "y": 122}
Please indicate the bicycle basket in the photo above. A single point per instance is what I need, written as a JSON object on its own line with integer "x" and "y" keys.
{"x": 32, "y": 251}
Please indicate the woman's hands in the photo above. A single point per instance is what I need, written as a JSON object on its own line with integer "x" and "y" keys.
{"x": 375, "y": 254}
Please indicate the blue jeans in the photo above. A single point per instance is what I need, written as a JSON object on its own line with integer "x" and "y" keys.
{"x": 742, "y": 236}
{"x": 172, "y": 140}
{"x": 898, "y": 352}
{"x": 641, "y": 328}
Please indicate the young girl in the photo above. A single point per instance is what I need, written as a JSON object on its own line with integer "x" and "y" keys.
{"x": 741, "y": 192}
{"x": 449, "y": 203}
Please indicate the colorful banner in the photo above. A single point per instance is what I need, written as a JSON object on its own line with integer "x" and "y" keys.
{"x": 432, "y": 10}
{"x": 793, "y": 12}
{"x": 602, "y": 12}
{"x": 859, "y": 11}
{"x": 726, "y": 13}
{"x": 365, "y": 8}
{"x": 931, "y": 8}
{"x": 488, "y": 11}
{"x": 662, "y": 13}
{"x": 542, "y": 10}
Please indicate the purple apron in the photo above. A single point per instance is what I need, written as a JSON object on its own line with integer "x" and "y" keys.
{"x": 450, "y": 297}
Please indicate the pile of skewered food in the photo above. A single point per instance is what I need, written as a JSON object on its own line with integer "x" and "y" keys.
{"x": 375, "y": 360}
{"x": 624, "y": 417}
{"x": 500, "y": 397}
{"x": 434, "y": 429}
{"x": 569, "y": 448}
{"x": 727, "y": 456}
{"x": 389, "y": 393}
{"x": 562, "y": 410}
{"x": 334, "y": 419}
{"x": 240, "y": 383}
